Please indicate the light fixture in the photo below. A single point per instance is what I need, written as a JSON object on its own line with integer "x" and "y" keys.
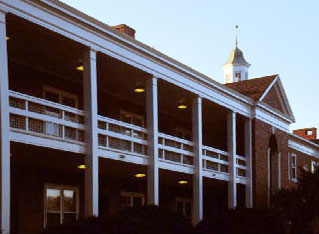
{"x": 82, "y": 166}
{"x": 139, "y": 89}
{"x": 140, "y": 175}
{"x": 183, "y": 182}
{"x": 181, "y": 105}
{"x": 80, "y": 67}
{"x": 7, "y": 38}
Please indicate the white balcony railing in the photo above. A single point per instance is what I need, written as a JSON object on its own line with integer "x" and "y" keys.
{"x": 215, "y": 160}
{"x": 44, "y": 118}
{"x": 241, "y": 166}
{"x": 121, "y": 136}
{"x": 175, "y": 149}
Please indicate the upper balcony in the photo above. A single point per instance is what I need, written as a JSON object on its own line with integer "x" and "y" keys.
{"x": 46, "y": 107}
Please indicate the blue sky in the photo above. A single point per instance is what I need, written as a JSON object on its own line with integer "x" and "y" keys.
{"x": 276, "y": 36}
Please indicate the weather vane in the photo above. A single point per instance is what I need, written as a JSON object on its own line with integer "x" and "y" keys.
{"x": 236, "y": 27}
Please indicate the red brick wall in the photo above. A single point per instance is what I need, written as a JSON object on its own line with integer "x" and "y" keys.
{"x": 303, "y": 133}
{"x": 272, "y": 99}
{"x": 261, "y": 136}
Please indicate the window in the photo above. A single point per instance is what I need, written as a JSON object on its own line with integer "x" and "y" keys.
{"x": 61, "y": 204}
{"x": 129, "y": 199}
{"x": 183, "y": 206}
{"x": 309, "y": 132}
{"x": 314, "y": 166}
{"x": 293, "y": 166}
{"x": 238, "y": 76}
{"x": 131, "y": 118}
{"x": 183, "y": 134}
{"x": 59, "y": 96}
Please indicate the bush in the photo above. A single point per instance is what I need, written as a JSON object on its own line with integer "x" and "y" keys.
{"x": 146, "y": 219}
{"x": 245, "y": 221}
{"x": 151, "y": 219}
{"x": 86, "y": 225}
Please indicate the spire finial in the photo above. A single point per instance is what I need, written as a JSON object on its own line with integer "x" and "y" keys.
{"x": 236, "y": 27}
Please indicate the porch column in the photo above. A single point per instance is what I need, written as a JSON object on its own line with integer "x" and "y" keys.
{"x": 198, "y": 161}
{"x": 231, "y": 144}
{"x": 249, "y": 170}
{"x": 4, "y": 129}
{"x": 91, "y": 157}
{"x": 152, "y": 137}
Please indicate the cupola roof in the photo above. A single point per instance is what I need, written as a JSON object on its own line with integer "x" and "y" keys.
{"x": 236, "y": 57}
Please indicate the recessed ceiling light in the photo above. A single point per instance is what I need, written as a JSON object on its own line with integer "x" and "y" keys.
{"x": 80, "y": 67}
{"x": 140, "y": 175}
{"x": 82, "y": 166}
{"x": 183, "y": 182}
{"x": 139, "y": 89}
{"x": 181, "y": 106}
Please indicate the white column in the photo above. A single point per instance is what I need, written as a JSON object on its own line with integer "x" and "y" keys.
{"x": 152, "y": 136}
{"x": 4, "y": 129}
{"x": 198, "y": 161}
{"x": 249, "y": 170}
{"x": 91, "y": 139}
{"x": 231, "y": 144}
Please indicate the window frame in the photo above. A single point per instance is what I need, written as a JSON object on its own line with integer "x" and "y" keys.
{"x": 184, "y": 202}
{"x": 61, "y": 94}
{"x": 183, "y": 132}
{"x": 61, "y": 188}
{"x": 132, "y": 195}
{"x": 314, "y": 165}
{"x": 293, "y": 167}
{"x": 133, "y": 115}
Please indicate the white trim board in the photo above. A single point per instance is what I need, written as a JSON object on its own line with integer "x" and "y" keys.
{"x": 303, "y": 148}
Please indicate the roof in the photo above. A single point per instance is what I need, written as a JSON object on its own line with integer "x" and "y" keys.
{"x": 253, "y": 88}
{"x": 236, "y": 57}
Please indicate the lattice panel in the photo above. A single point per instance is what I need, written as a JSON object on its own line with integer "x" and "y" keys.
{"x": 36, "y": 125}
{"x": 36, "y": 108}
{"x": 17, "y": 103}
{"x": 172, "y": 143}
{"x": 119, "y": 144}
{"x": 172, "y": 156}
{"x": 188, "y": 160}
{"x": 241, "y": 172}
{"x": 17, "y": 121}
{"x": 211, "y": 165}
{"x": 102, "y": 140}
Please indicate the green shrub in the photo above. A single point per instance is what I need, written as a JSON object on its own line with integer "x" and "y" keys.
{"x": 244, "y": 220}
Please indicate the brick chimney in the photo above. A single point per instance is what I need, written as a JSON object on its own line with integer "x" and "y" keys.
{"x": 307, "y": 133}
{"x": 125, "y": 29}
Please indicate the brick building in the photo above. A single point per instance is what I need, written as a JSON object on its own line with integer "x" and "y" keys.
{"x": 94, "y": 121}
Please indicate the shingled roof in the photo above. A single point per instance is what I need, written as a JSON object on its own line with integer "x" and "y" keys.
{"x": 253, "y": 88}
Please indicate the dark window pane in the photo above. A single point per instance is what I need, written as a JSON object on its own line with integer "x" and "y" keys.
{"x": 68, "y": 101}
{"x": 53, "y": 219}
{"x": 188, "y": 209}
{"x": 69, "y": 200}
{"x": 51, "y": 97}
{"x": 69, "y": 217}
{"x": 137, "y": 201}
{"x": 179, "y": 207}
{"x": 53, "y": 200}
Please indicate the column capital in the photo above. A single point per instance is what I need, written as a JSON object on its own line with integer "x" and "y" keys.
{"x": 89, "y": 54}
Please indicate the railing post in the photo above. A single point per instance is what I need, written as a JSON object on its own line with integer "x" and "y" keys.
{"x": 198, "y": 161}
{"x": 4, "y": 129}
{"x": 249, "y": 169}
{"x": 152, "y": 136}
{"x": 91, "y": 137}
{"x": 231, "y": 144}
